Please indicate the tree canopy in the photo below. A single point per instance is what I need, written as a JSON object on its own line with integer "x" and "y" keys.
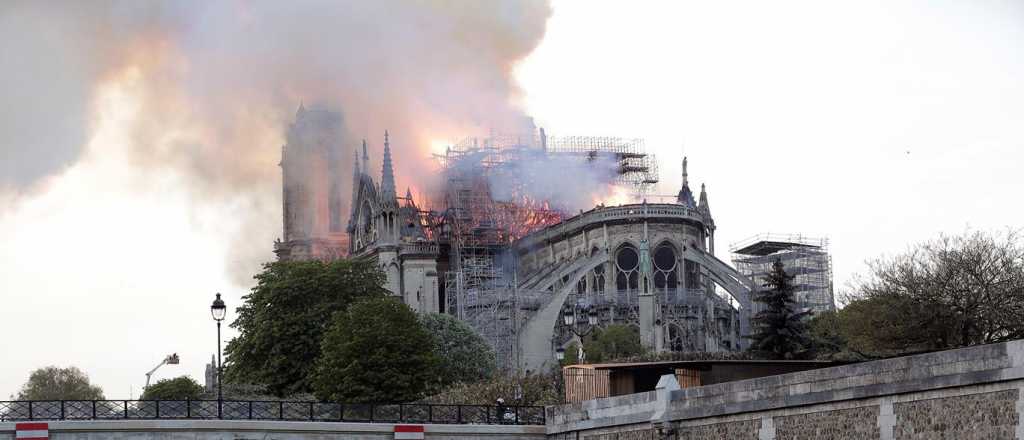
{"x": 950, "y": 292}
{"x": 465, "y": 356}
{"x": 283, "y": 319}
{"x": 946, "y": 293}
{"x": 780, "y": 330}
{"x": 178, "y": 388}
{"x": 55, "y": 383}
{"x": 616, "y": 341}
{"x": 378, "y": 352}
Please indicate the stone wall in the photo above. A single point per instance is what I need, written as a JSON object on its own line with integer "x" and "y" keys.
{"x": 984, "y": 415}
{"x": 970, "y": 393}
{"x": 739, "y": 430}
{"x": 245, "y": 429}
{"x": 842, "y": 424}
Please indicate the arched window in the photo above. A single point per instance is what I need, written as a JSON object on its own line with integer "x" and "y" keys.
{"x": 627, "y": 261}
{"x": 598, "y": 286}
{"x": 666, "y": 276}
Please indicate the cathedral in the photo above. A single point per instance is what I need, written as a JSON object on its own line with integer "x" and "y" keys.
{"x": 514, "y": 270}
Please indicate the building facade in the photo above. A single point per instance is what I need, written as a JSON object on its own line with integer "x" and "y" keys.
{"x": 648, "y": 266}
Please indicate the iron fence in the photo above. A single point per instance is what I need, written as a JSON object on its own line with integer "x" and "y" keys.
{"x": 28, "y": 410}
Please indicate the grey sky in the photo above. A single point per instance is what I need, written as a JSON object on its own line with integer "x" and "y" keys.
{"x": 876, "y": 123}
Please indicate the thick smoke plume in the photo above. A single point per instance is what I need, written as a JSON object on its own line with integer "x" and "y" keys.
{"x": 566, "y": 183}
{"x": 215, "y": 84}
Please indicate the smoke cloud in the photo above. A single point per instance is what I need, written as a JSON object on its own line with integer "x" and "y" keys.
{"x": 215, "y": 84}
{"x": 567, "y": 183}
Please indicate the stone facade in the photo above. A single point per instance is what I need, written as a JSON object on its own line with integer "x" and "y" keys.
{"x": 738, "y": 430}
{"x": 639, "y": 434}
{"x": 650, "y": 266}
{"x": 982, "y": 416}
{"x": 971, "y": 393}
{"x": 844, "y": 424}
{"x": 312, "y": 181}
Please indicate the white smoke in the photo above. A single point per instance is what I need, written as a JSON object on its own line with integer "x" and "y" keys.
{"x": 217, "y": 82}
{"x": 567, "y": 183}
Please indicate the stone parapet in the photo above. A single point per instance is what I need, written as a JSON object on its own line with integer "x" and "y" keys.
{"x": 968, "y": 393}
{"x": 250, "y": 429}
{"x": 663, "y": 212}
{"x": 944, "y": 369}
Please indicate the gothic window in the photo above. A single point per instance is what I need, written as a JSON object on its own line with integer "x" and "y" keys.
{"x": 692, "y": 275}
{"x": 666, "y": 276}
{"x": 599, "y": 279}
{"x": 367, "y": 218}
{"x": 627, "y": 261}
{"x": 676, "y": 338}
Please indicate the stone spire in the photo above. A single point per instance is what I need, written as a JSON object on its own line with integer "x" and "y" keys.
{"x": 685, "y": 196}
{"x": 356, "y": 175}
{"x": 366, "y": 157}
{"x": 301, "y": 111}
{"x": 702, "y": 205}
{"x": 387, "y": 179}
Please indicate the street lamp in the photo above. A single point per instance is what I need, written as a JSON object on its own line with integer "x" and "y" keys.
{"x": 218, "y": 310}
{"x": 577, "y": 325}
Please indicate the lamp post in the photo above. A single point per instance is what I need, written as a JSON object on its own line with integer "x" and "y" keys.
{"x": 577, "y": 326}
{"x": 218, "y": 310}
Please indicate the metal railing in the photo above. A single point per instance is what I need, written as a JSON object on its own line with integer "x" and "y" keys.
{"x": 268, "y": 410}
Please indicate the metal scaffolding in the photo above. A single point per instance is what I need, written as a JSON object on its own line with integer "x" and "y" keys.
{"x": 480, "y": 285}
{"x": 806, "y": 258}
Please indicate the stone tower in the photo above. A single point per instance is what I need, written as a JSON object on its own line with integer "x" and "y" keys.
{"x": 311, "y": 163}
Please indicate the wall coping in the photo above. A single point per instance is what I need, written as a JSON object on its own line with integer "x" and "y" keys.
{"x": 951, "y": 368}
{"x": 968, "y": 366}
{"x": 268, "y": 425}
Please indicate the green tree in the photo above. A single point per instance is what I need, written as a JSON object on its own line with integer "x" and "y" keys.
{"x": 378, "y": 352}
{"x": 611, "y": 343}
{"x": 465, "y": 356}
{"x": 283, "y": 319}
{"x": 55, "y": 383}
{"x": 616, "y": 341}
{"x": 780, "y": 330}
{"x": 178, "y": 388}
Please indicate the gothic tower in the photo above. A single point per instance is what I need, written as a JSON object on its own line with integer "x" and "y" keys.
{"x": 311, "y": 163}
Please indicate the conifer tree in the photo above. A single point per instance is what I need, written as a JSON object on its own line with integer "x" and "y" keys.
{"x": 780, "y": 330}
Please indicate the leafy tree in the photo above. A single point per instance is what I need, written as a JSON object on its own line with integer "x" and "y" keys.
{"x": 283, "y": 320}
{"x": 946, "y": 293}
{"x": 179, "y": 388}
{"x": 826, "y": 335}
{"x": 613, "y": 342}
{"x": 781, "y": 331}
{"x": 54, "y": 383}
{"x": 465, "y": 356}
{"x": 377, "y": 351}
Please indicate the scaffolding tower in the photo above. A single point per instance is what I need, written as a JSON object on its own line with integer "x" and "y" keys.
{"x": 806, "y": 258}
{"x": 481, "y": 288}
